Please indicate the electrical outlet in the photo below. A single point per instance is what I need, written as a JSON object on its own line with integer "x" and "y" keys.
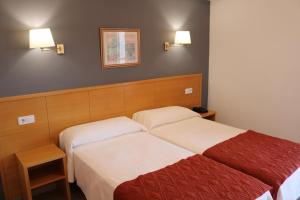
{"x": 29, "y": 119}
{"x": 188, "y": 91}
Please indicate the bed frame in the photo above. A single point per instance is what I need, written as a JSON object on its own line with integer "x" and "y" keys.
{"x": 57, "y": 110}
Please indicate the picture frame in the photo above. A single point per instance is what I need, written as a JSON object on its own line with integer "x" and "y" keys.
{"x": 120, "y": 47}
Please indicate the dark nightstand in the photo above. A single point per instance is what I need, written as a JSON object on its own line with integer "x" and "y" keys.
{"x": 210, "y": 115}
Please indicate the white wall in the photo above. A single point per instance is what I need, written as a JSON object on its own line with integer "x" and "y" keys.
{"x": 254, "y": 74}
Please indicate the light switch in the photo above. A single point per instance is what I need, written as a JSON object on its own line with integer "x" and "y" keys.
{"x": 29, "y": 119}
{"x": 188, "y": 91}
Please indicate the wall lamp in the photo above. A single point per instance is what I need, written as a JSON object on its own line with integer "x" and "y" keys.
{"x": 42, "y": 38}
{"x": 181, "y": 38}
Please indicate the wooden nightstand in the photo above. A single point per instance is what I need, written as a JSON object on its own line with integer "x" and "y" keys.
{"x": 42, "y": 166}
{"x": 210, "y": 115}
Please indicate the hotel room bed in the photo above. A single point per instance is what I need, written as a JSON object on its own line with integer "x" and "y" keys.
{"x": 121, "y": 159}
{"x": 106, "y": 157}
{"x": 187, "y": 129}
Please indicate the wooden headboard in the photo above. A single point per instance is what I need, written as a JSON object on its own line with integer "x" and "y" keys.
{"x": 55, "y": 111}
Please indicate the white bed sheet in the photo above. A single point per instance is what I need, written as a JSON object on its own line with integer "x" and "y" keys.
{"x": 197, "y": 135}
{"x": 100, "y": 167}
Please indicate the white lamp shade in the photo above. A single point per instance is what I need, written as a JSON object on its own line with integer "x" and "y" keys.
{"x": 41, "y": 38}
{"x": 182, "y": 37}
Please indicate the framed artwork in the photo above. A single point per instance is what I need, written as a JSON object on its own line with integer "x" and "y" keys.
{"x": 120, "y": 47}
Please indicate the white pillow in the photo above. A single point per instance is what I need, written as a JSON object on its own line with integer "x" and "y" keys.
{"x": 75, "y": 136}
{"x": 161, "y": 116}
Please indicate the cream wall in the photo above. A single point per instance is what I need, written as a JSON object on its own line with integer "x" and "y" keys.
{"x": 254, "y": 73}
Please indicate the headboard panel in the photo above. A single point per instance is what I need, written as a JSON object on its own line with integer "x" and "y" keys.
{"x": 107, "y": 102}
{"x": 171, "y": 92}
{"x": 66, "y": 110}
{"x": 55, "y": 111}
{"x": 139, "y": 97}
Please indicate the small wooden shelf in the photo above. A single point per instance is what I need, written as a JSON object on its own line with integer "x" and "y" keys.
{"x": 41, "y": 179}
{"x": 43, "y": 166}
{"x": 46, "y": 173}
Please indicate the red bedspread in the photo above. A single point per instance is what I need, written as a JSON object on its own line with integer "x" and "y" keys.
{"x": 195, "y": 178}
{"x": 270, "y": 159}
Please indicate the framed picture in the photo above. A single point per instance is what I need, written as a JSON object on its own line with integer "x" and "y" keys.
{"x": 120, "y": 47}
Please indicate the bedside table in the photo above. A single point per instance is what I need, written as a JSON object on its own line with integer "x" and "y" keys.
{"x": 42, "y": 166}
{"x": 210, "y": 115}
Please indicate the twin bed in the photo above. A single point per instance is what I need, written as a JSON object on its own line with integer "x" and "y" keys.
{"x": 157, "y": 156}
{"x": 187, "y": 129}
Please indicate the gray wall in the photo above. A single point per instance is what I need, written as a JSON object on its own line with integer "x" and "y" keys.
{"x": 75, "y": 23}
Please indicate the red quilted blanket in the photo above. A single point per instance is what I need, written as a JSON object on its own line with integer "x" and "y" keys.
{"x": 270, "y": 159}
{"x": 194, "y": 178}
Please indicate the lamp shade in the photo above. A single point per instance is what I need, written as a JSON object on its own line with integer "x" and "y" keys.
{"x": 41, "y": 38}
{"x": 182, "y": 37}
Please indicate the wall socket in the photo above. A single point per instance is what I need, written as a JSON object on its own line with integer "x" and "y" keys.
{"x": 188, "y": 91}
{"x": 29, "y": 119}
